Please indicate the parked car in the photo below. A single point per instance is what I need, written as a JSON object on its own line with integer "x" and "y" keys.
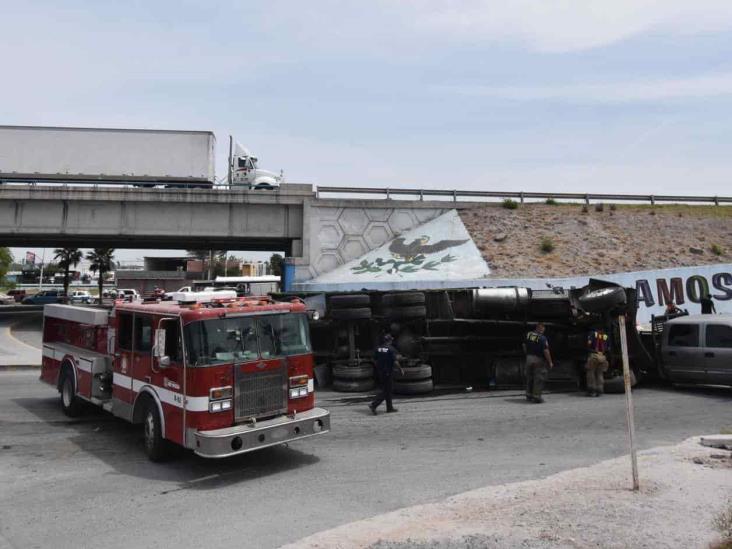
{"x": 43, "y": 297}
{"x": 6, "y": 299}
{"x": 128, "y": 294}
{"x": 18, "y": 295}
{"x": 80, "y": 296}
{"x": 697, "y": 349}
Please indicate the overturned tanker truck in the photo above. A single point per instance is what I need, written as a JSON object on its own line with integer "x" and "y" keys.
{"x": 472, "y": 336}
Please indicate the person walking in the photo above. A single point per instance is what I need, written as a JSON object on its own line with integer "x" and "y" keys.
{"x": 386, "y": 360}
{"x": 598, "y": 343}
{"x": 538, "y": 357}
{"x": 707, "y": 305}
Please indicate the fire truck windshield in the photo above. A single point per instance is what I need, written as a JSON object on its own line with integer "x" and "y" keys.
{"x": 245, "y": 338}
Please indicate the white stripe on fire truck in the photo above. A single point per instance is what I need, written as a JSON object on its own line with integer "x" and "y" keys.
{"x": 59, "y": 354}
{"x": 193, "y": 404}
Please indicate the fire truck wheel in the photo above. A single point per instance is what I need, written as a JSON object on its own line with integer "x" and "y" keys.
{"x": 413, "y": 387}
{"x": 354, "y": 386}
{"x": 349, "y": 301}
{"x": 402, "y": 299}
{"x": 602, "y": 300}
{"x": 365, "y": 371}
{"x": 423, "y": 371}
{"x": 156, "y": 447}
{"x": 70, "y": 403}
{"x": 350, "y": 314}
{"x": 410, "y": 312}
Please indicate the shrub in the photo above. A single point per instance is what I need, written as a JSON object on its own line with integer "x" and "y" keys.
{"x": 547, "y": 245}
{"x": 613, "y": 207}
{"x": 723, "y": 524}
{"x": 509, "y": 204}
{"x": 717, "y": 249}
{"x": 551, "y": 202}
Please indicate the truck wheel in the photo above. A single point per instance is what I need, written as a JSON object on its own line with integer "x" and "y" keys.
{"x": 70, "y": 403}
{"x": 410, "y": 312}
{"x": 355, "y": 386}
{"x": 349, "y": 301}
{"x": 601, "y": 300}
{"x": 415, "y": 373}
{"x": 413, "y": 387}
{"x": 365, "y": 371}
{"x": 402, "y": 299}
{"x": 156, "y": 447}
{"x": 350, "y": 314}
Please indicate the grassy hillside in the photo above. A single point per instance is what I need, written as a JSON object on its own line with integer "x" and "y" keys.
{"x": 541, "y": 240}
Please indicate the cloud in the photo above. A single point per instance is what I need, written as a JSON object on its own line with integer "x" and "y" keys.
{"x": 696, "y": 87}
{"x": 566, "y": 25}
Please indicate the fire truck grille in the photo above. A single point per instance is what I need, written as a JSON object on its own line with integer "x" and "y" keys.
{"x": 261, "y": 394}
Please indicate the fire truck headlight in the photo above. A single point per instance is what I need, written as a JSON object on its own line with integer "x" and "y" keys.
{"x": 294, "y": 393}
{"x": 221, "y": 392}
{"x": 303, "y": 391}
{"x": 297, "y": 381}
{"x": 219, "y": 406}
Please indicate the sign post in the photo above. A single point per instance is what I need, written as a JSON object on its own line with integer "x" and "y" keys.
{"x": 629, "y": 401}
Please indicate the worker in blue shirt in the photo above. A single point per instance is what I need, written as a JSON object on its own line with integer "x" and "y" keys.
{"x": 386, "y": 360}
{"x": 538, "y": 357}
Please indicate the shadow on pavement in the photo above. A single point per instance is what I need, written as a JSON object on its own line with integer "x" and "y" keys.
{"x": 119, "y": 444}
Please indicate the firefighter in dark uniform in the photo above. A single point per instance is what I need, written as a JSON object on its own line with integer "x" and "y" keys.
{"x": 386, "y": 360}
{"x": 538, "y": 358}
{"x": 598, "y": 343}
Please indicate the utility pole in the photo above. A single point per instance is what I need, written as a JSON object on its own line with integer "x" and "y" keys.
{"x": 629, "y": 402}
{"x": 231, "y": 160}
{"x": 43, "y": 261}
{"x": 210, "y": 263}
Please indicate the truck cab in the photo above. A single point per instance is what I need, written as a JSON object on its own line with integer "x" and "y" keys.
{"x": 245, "y": 171}
{"x": 220, "y": 378}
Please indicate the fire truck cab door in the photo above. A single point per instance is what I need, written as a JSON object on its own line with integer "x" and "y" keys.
{"x": 142, "y": 346}
{"x": 123, "y": 360}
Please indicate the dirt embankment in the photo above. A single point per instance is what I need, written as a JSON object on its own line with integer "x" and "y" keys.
{"x": 619, "y": 238}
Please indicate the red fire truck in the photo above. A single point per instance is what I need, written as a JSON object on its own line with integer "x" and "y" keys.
{"x": 222, "y": 377}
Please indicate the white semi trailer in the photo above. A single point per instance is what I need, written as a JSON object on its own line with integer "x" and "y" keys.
{"x": 140, "y": 157}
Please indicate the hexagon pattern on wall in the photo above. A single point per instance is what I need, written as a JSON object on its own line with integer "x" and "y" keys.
{"x": 344, "y": 234}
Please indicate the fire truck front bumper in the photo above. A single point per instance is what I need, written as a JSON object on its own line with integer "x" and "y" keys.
{"x": 240, "y": 439}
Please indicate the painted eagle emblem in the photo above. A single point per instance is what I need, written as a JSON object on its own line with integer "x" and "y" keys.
{"x": 419, "y": 246}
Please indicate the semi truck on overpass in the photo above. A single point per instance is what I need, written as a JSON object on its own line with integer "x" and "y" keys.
{"x": 144, "y": 158}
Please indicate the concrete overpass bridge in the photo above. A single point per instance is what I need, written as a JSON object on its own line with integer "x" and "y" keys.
{"x": 319, "y": 234}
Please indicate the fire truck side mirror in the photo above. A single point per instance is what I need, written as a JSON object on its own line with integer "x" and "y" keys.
{"x": 159, "y": 347}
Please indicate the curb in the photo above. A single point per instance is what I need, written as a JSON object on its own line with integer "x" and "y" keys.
{"x": 18, "y": 367}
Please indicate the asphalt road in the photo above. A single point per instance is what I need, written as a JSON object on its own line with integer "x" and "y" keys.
{"x": 86, "y": 482}
{"x": 20, "y": 339}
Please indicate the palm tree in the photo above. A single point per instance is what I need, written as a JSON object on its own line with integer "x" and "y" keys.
{"x": 66, "y": 258}
{"x": 101, "y": 261}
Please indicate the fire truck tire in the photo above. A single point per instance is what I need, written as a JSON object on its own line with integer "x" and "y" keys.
{"x": 413, "y": 373}
{"x": 156, "y": 447}
{"x": 349, "y": 301}
{"x": 365, "y": 371}
{"x": 353, "y": 386}
{"x": 70, "y": 404}
{"x": 402, "y": 299}
{"x": 409, "y": 312}
{"x": 413, "y": 387}
{"x": 350, "y": 314}
{"x": 602, "y": 300}
{"x": 617, "y": 384}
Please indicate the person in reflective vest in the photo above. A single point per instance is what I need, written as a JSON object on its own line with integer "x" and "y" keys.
{"x": 536, "y": 346}
{"x": 598, "y": 343}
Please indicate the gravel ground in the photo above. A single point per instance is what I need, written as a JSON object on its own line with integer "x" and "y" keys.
{"x": 683, "y": 488}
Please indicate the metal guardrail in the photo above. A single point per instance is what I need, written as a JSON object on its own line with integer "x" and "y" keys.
{"x": 456, "y": 194}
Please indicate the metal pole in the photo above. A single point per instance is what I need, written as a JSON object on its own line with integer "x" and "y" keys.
{"x": 231, "y": 159}
{"x": 629, "y": 402}
{"x": 210, "y": 263}
{"x": 43, "y": 261}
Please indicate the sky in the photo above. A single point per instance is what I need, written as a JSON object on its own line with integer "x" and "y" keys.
{"x": 633, "y": 96}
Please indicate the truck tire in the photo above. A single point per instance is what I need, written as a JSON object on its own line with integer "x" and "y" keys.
{"x": 413, "y": 387}
{"x": 403, "y": 313}
{"x": 354, "y": 386}
{"x": 156, "y": 447}
{"x": 350, "y": 314}
{"x": 71, "y": 404}
{"x": 402, "y": 299}
{"x": 349, "y": 301}
{"x": 602, "y": 300}
{"x": 365, "y": 371}
{"x": 414, "y": 373}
